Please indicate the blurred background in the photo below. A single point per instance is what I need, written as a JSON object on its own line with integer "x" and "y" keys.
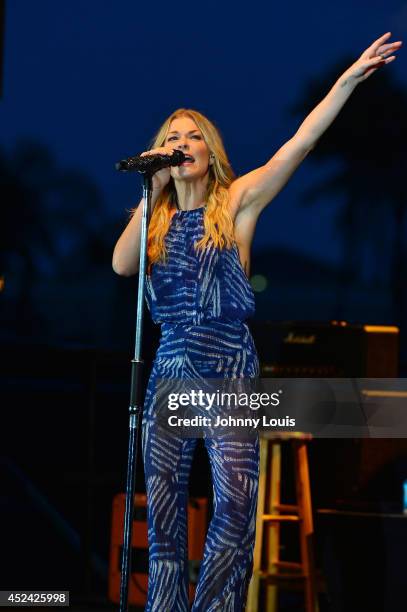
{"x": 84, "y": 84}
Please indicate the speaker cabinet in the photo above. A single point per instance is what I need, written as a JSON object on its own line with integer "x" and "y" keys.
{"x": 357, "y": 473}
{"x": 197, "y": 525}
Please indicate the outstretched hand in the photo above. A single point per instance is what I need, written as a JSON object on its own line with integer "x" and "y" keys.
{"x": 378, "y": 54}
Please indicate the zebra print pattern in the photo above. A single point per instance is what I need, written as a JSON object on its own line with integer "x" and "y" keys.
{"x": 197, "y": 286}
{"x": 201, "y": 300}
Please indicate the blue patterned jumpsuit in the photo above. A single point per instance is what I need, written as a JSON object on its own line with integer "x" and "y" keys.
{"x": 201, "y": 298}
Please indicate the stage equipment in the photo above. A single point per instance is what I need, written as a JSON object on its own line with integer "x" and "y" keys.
{"x": 326, "y": 350}
{"x": 197, "y": 525}
{"x": 353, "y": 473}
{"x": 272, "y": 513}
{"x": 151, "y": 163}
{"x": 135, "y": 408}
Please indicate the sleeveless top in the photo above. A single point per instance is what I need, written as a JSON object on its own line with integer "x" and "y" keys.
{"x": 196, "y": 286}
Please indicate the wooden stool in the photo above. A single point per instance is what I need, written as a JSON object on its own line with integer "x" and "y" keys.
{"x": 271, "y": 512}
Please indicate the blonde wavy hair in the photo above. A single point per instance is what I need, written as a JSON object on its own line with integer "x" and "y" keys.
{"x": 218, "y": 224}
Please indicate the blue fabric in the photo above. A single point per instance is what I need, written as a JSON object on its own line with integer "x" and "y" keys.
{"x": 197, "y": 286}
{"x": 201, "y": 300}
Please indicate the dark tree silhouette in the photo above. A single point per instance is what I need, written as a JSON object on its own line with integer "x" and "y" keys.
{"x": 23, "y": 235}
{"x": 51, "y": 226}
{"x": 369, "y": 138}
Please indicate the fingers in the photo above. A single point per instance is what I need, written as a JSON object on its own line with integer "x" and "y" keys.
{"x": 372, "y": 50}
{"x": 390, "y": 46}
{"x": 375, "y": 56}
{"x": 380, "y": 60}
{"x": 380, "y": 47}
{"x": 371, "y": 65}
{"x": 386, "y": 50}
{"x": 158, "y": 151}
{"x": 397, "y": 43}
{"x": 374, "y": 46}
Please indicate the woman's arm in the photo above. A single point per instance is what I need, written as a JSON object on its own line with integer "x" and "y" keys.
{"x": 126, "y": 254}
{"x": 256, "y": 189}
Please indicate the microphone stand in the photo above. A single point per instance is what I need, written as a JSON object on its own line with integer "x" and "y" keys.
{"x": 135, "y": 407}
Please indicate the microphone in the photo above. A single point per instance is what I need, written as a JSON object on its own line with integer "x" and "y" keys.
{"x": 149, "y": 164}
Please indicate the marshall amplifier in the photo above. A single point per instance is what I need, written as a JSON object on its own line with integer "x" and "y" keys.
{"x": 354, "y": 473}
{"x": 326, "y": 350}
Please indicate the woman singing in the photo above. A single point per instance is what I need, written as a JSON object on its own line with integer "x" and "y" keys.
{"x": 202, "y": 225}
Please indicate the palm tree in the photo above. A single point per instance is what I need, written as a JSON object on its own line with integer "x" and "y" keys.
{"x": 369, "y": 138}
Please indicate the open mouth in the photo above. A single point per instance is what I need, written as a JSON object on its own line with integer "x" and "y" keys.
{"x": 188, "y": 160}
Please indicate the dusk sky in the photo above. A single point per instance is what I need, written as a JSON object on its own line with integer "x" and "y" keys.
{"x": 92, "y": 81}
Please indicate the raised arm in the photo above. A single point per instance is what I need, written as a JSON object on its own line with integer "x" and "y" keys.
{"x": 256, "y": 189}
